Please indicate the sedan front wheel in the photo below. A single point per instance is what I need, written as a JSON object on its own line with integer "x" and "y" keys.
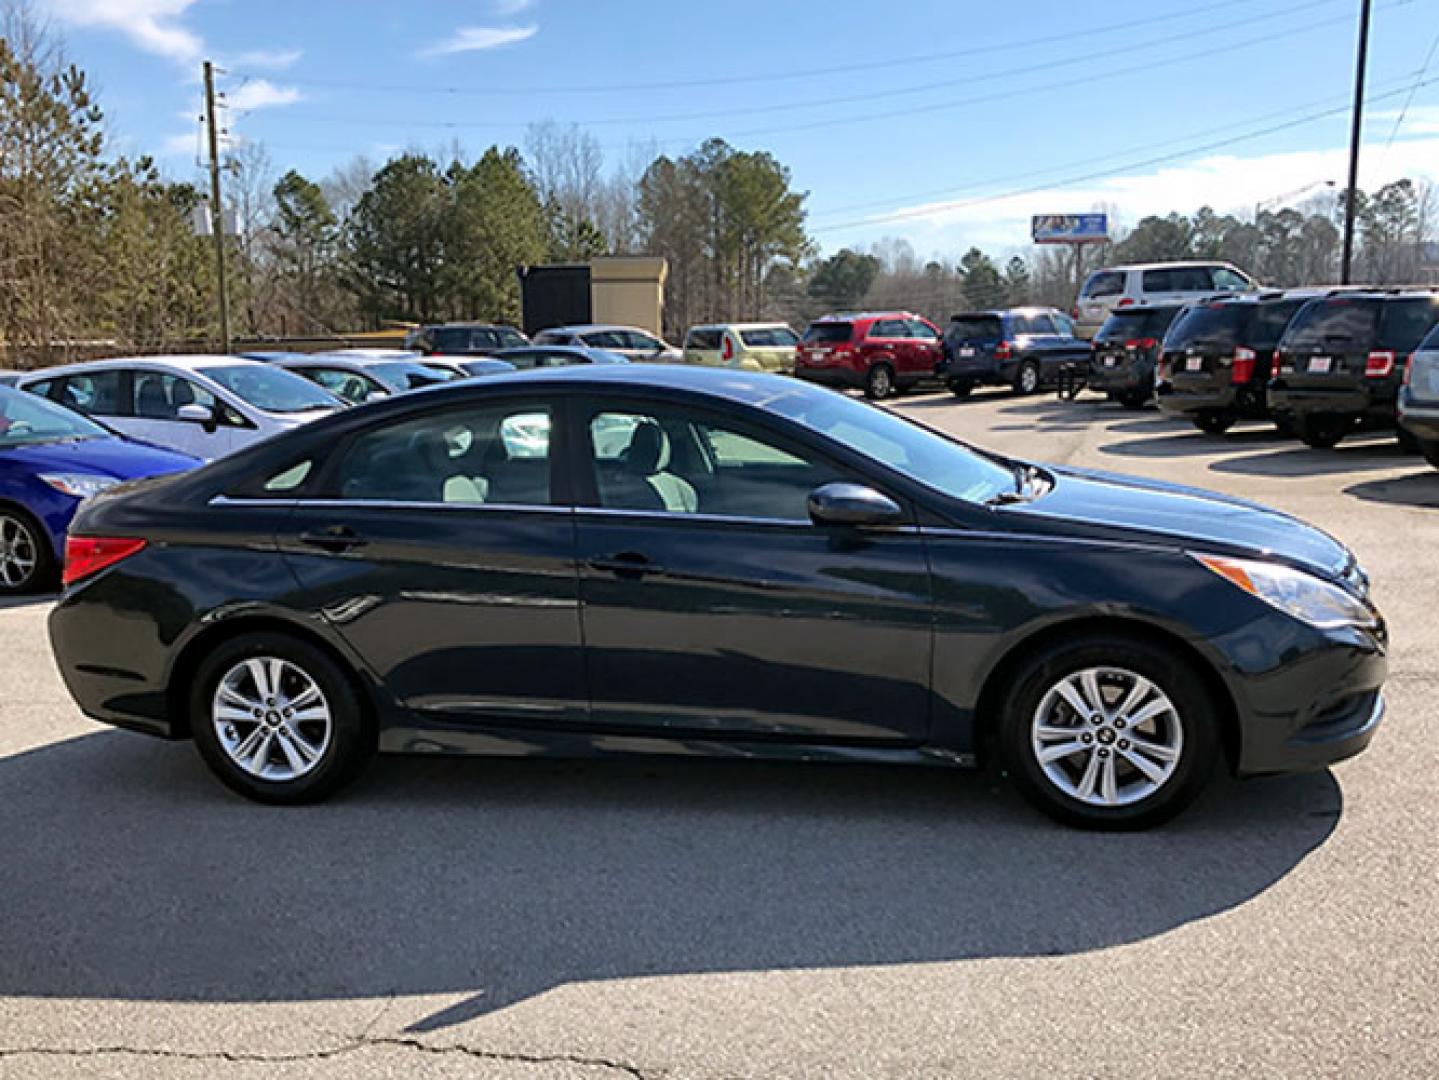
{"x": 1109, "y": 733}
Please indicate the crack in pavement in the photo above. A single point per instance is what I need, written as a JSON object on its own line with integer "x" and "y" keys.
{"x": 353, "y": 1046}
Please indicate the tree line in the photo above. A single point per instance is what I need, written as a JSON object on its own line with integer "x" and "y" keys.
{"x": 99, "y": 252}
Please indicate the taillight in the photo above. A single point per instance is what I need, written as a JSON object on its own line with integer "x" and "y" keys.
{"x": 727, "y": 349}
{"x": 1074, "y": 312}
{"x": 1141, "y": 343}
{"x": 1408, "y": 370}
{"x": 1244, "y": 361}
{"x": 1002, "y": 351}
{"x": 87, "y": 555}
{"x": 1124, "y": 301}
{"x": 1379, "y": 364}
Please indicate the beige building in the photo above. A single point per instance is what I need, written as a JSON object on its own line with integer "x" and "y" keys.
{"x": 629, "y": 290}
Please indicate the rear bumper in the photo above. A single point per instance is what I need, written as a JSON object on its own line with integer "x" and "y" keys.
{"x": 1132, "y": 375}
{"x": 838, "y": 375}
{"x": 1286, "y": 399}
{"x": 1421, "y": 421}
{"x": 976, "y": 374}
{"x": 114, "y": 671}
{"x": 1182, "y": 401}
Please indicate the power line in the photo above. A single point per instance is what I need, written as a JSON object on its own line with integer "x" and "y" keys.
{"x": 825, "y": 72}
{"x": 1404, "y": 109}
{"x": 1186, "y": 57}
{"x": 1115, "y": 171}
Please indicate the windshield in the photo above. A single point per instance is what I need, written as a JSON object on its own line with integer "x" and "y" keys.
{"x": 1336, "y": 321}
{"x": 26, "y": 420}
{"x": 407, "y": 375}
{"x": 271, "y": 389}
{"x": 769, "y": 337}
{"x": 926, "y": 456}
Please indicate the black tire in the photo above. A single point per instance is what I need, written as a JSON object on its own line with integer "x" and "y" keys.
{"x": 960, "y": 389}
{"x": 1322, "y": 432}
{"x": 1408, "y": 442}
{"x": 1027, "y": 379}
{"x": 1194, "y": 708}
{"x": 351, "y": 742}
{"x": 1284, "y": 427}
{"x": 1214, "y": 423}
{"x": 1430, "y": 450}
{"x": 23, "y": 541}
{"x": 879, "y": 382}
{"x": 1134, "y": 399}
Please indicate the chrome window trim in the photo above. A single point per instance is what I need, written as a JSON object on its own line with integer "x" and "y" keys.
{"x": 388, "y": 504}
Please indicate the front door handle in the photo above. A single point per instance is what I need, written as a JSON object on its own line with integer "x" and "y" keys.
{"x": 333, "y": 538}
{"x": 630, "y": 565}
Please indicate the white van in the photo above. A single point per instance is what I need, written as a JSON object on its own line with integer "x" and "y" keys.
{"x": 1153, "y": 283}
{"x": 203, "y": 405}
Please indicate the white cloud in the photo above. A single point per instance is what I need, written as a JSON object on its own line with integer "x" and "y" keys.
{"x": 476, "y": 38}
{"x": 260, "y": 94}
{"x": 153, "y": 25}
{"x": 266, "y": 59}
{"x": 1227, "y": 183}
{"x": 184, "y": 144}
{"x": 508, "y": 8}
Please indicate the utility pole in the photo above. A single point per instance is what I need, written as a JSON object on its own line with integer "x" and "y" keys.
{"x": 217, "y": 211}
{"x": 1351, "y": 195}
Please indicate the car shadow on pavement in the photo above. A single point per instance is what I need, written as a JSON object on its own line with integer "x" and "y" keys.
{"x": 27, "y": 600}
{"x": 1295, "y": 459}
{"x": 1417, "y": 489}
{"x": 1187, "y": 442}
{"x": 129, "y": 873}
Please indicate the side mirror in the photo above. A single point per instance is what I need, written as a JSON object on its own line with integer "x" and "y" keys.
{"x": 197, "y": 414}
{"x": 853, "y": 505}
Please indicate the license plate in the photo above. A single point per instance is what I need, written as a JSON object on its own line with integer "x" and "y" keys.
{"x": 1194, "y": 363}
{"x": 967, "y": 351}
{"x": 1111, "y": 361}
{"x": 1320, "y": 365}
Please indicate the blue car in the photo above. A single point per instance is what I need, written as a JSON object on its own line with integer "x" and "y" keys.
{"x": 50, "y": 460}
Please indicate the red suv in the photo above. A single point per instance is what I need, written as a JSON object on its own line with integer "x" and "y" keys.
{"x": 879, "y": 352}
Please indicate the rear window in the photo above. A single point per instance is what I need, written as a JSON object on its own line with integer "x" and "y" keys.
{"x": 769, "y": 337}
{"x": 1104, "y": 283}
{"x": 703, "y": 339}
{"x": 828, "y": 333}
{"x": 1336, "y": 321}
{"x": 1129, "y": 323}
{"x": 1178, "y": 279}
{"x": 973, "y": 328}
{"x": 1210, "y": 324}
{"x": 1405, "y": 322}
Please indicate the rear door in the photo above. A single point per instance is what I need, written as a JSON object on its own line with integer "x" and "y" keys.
{"x": 442, "y": 548}
{"x": 888, "y": 341}
{"x": 1175, "y": 284}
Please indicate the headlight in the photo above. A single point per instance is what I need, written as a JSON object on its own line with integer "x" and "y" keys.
{"x": 78, "y": 485}
{"x": 1309, "y": 599}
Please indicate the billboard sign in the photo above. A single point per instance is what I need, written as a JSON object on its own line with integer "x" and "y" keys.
{"x": 1069, "y": 228}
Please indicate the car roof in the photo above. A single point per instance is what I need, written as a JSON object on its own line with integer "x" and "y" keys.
{"x": 188, "y": 362}
{"x": 585, "y": 328}
{"x": 1027, "y": 309}
{"x": 1171, "y": 265}
{"x": 467, "y": 325}
{"x": 862, "y": 316}
{"x": 373, "y": 354}
{"x": 746, "y": 387}
{"x": 741, "y": 326}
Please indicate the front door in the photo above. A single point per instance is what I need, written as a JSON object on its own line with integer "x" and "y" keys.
{"x": 154, "y": 415}
{"x": 441, "y": 550}
{"x": 713, "y": 607}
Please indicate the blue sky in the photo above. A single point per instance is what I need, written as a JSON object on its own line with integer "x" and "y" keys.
{"x": 946, "y": 123}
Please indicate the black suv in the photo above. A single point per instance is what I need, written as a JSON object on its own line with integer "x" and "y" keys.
{"x": 464, "y": 339}
{"x": 1024, "y": 348}
{"x": 1217, "y": 358}
{"x": 1126, "y": 352}
{"x": 1340, "y": 362}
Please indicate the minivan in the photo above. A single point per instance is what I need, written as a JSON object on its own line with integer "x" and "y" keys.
{"x": 1153, "y": 283}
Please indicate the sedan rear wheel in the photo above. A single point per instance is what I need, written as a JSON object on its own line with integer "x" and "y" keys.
{"x": 1111, "y": 733}
{"x": 25, "y": 560}
{"x": 277, "y": 720}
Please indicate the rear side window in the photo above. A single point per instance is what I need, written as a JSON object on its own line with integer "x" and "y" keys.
{"x": 828, "y": 333}
{"x": 450, "y": 339}
{"x": 1178, "y": 279}
{"x": 1033, "y": 324}
{"x": 1104, "y": 283}
{"x": 708, "y": 339}
{"x": 95, "y": 394}
{"x": 1405, "y": 322}
{"x": 888, "y": 328}
{"x": 974, "y": 328}
{"x": 1336, "y": 321}
{"x": 769, "y": 337}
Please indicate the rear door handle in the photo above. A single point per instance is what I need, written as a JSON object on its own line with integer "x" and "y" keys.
{"x": 333, "y": 538}
{"x": 626, "y": 564}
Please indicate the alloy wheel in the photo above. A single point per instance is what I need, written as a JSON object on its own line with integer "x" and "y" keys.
{"x": 880, "y": 383}
{"x": 271, "y": 718}
{"x": 1107, "y": 736}
{"x": 1028, "y": 379}
{"x": 19, "y": 555}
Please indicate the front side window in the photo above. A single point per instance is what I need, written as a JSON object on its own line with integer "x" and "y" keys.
{"x": 272, "y": 389}
{"x": 350, "y": 385}
{"x": 921, "y": 331}
{"x": 1226, "y": 280}
{"x": 27, "y": 419}
{"x": 672, "y": 460}
{"x": 636, "y": 340}
{"x": 769, "y": 337}
{"x": 496, "y": 454}
{"x": 161, "y": 395}
{"x": 606, "y": 339}
{"x": 94, "y": 393}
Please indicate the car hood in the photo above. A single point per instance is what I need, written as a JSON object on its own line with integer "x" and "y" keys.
{"x": 124, "y": 459}
{"x": 1196, "y": 519}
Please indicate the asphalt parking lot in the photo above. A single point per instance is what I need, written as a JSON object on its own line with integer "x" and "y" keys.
{"x": 659, "y": 919}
